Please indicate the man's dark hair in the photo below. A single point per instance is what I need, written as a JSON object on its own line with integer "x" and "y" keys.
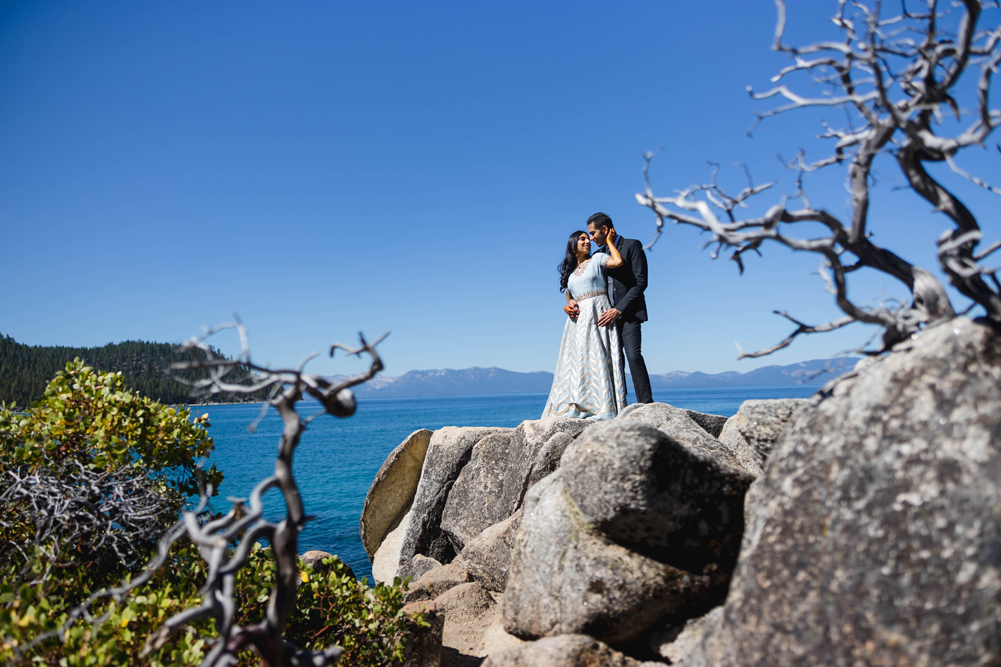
{"x": 600, "y": 220}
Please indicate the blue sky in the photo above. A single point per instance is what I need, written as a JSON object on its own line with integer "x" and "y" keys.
{"x": 325, "y": 168}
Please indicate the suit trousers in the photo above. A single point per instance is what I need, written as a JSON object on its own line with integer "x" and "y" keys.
{"x": 629, "y": 334}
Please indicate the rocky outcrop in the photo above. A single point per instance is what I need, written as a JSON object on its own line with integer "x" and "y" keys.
{"x": 500, "y": 470}
{"x": 568, "y": 578}
{"x": 633, "y": 527}
{"x": 437, "y": 581}
{"x": 658, "y": 494}
{"x": 448, "y": 451}
{"x": 875, "y": 535}
{"x": 604, "y": 512}
{"x": 711, "y": 424}
{"x": 488, "y": 556}
{"x": 563, "y": 651}
{"x": 392, "y": 491}
{"x": 872, "y": 532}
{"x": 752, "y": 432}
{"x": 679, "y": 425}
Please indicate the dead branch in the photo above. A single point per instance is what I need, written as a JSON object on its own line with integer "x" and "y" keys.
{"x": 896, "y": 77}
{"x": 225, "y": 543}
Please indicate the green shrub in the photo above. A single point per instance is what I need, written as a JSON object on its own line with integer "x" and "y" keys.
{"x": 92, "y": 418}
{"x": 332, "y": 608}
{"x": 93, "y": 474}
{"x": 89, "y": 430}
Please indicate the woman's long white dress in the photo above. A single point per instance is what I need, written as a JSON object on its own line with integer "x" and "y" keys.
{"x": 590, "y": 380}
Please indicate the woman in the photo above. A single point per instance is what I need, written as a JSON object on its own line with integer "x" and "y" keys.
{"x": 590, "y": 381}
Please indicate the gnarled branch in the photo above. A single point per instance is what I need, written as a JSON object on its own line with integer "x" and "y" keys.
{"x": 896, "y": 77}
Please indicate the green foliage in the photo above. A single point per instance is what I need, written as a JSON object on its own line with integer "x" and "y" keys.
{"x": 89, "y": 417}
{"x": 333, "y": 608}
{"x": 26, "y": 369}
{"x": 85, "y": 442}
{"x": 88, "y": 421}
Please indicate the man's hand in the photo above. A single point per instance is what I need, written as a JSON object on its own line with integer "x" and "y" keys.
{"x": 608, "y": 317}
{"x": 572, "y": 309}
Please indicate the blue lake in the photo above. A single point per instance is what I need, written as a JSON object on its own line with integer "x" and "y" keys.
{"x": 338, "y": 458}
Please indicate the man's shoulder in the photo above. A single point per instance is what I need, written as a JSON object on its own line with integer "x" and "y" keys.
{"x": 632, "y": 244}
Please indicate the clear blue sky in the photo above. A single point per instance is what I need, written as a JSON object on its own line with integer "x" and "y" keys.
{"x": 328, "y": 167}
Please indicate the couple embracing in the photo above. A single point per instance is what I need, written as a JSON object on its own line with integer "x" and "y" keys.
{"x": 590, "y": 380}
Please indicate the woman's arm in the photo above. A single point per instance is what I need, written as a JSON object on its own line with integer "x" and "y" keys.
{"x": 615, "y": 258}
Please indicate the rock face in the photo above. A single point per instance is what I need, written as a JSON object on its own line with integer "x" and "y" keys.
{"x": 472, "y": 628}
{"x": 752, "y": 432}
{"x": 500, "y": 470}
{"x": 488, "y": 556}
{"x": 391, "y": 493}
{"x": 567, "y": 578}
{"x": 448, "y": 451}
{"x": 658, "y": 495}
{"x": 563, "y": 651}
{"x": 875, "y": 537}
{"x": 437, "y": 581}
{"x": 386, "y": 512}
{"x": 711, "y": 424}
{"x": 677, "y": 423}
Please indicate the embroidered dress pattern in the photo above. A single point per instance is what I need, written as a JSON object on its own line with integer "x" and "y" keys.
{"x": 590, "y": 379}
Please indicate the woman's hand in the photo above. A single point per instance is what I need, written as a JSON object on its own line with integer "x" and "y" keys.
{"x": 571, "y": 309}
{"x": 615, "y": 257}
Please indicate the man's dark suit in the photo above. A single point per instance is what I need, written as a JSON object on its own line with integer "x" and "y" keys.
{"x": 626, "y": 285}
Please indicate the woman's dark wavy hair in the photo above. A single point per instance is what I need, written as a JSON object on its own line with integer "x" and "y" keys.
{"x": 569, "y": 263}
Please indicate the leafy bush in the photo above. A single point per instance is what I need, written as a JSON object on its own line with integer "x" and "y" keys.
{"x": 91, "y": 476}
{"x": 333, "y": 608}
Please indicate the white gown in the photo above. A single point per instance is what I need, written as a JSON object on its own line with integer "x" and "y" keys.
{"x": 590, "y": 380}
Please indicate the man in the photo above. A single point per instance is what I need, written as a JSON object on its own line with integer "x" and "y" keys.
{"x": 625, "y": 290}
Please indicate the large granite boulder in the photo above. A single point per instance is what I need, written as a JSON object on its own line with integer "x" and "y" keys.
{"x": 656, "y": 495}
{"x": 472, "y": 624}
{"x": 566, "y": 577}
{"x": 676, "y": 642}
{"x": 875, "y": 538}
{"x": 448, "y": 451}
{"x": 386, "y": 512}
{"x": 753, "y": 431}
{"x": 392, "y": 491}
{"x": 710, "y": 423}
{"x": 487, "y": 557}
{"x": 564, "y": 651}
{"x": 492, "y": 485}
{"x": 680, "y": 426}
{"x": 437, "y": 581}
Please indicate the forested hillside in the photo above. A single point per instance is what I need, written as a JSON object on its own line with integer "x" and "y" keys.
{"x": 26, "y": 369}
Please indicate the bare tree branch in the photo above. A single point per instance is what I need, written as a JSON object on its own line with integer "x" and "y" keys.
{"x": 225, "y": 543}
{"x": 896, "y": 77}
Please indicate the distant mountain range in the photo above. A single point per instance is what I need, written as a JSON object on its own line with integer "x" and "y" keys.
{"x": 479, "y": 381}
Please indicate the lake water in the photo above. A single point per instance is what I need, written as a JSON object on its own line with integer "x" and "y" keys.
{"x": 338, "y": 458}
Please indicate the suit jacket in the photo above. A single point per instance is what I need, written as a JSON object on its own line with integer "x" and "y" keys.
{"x": 628, "y": 282}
